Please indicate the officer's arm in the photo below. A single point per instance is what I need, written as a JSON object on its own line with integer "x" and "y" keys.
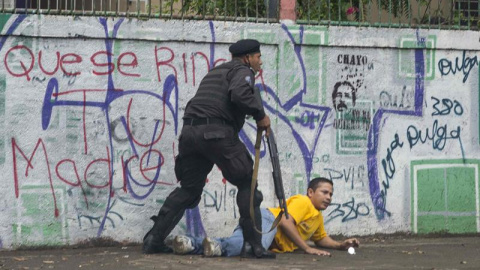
{"x": 242, "y": 94}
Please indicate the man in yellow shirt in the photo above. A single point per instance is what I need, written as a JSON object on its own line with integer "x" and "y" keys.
{"x": 305, "y": 223}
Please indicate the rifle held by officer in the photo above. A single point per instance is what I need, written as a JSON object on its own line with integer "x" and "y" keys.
{"x": 277, "y": 173}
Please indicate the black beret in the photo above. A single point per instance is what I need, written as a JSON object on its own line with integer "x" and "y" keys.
{"x": 244, "y": 46}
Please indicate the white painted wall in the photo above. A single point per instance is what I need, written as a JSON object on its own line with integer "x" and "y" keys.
{"x": 7, "y": 3}
{"x": 65, "y": 106}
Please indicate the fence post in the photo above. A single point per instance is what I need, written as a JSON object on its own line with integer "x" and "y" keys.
{"x": 287, "y": 10}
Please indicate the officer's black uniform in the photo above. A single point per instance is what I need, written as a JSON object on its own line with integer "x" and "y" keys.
{"x": 212, "y": 120}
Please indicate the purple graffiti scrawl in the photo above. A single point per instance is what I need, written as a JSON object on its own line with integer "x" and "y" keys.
{"x": 12, "y": 28}
{"x": 379, "y": 196}
{"x": 307, "y": 151}
{"x": 170, "y": 91}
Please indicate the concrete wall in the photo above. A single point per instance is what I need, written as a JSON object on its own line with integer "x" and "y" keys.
{"x": 91, "y": 111}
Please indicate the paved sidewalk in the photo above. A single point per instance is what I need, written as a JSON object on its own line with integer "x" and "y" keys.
{"x": 396, "y": 252}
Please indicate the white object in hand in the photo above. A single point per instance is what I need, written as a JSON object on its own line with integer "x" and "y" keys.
{"x": 351, "y": 251}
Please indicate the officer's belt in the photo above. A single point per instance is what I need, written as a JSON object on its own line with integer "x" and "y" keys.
{"x": 206, "y": 121}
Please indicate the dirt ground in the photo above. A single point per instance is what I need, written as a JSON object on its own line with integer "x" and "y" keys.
{"x": 379, "y": 252}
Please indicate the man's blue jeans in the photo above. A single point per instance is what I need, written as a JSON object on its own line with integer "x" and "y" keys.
{"x": 232, "y": 246}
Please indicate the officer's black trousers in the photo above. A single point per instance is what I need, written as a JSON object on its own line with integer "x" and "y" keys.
{"x": 201, "y": 147}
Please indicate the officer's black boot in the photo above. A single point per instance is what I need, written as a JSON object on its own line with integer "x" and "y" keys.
{"x": 153, "y": 240}
{"x": 248, "y": 238}
{"x": 252, "y": 243}
{"x": 164, "y": 223}
{"x": 252, "y": 240}
{"x": 258, "y": 237}
{"x": 168, "y": 217}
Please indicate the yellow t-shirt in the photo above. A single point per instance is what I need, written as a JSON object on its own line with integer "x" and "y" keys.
{"x": 309, "y": 223}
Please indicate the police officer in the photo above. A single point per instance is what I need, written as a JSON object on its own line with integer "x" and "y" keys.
{"x": 212, "y": 120}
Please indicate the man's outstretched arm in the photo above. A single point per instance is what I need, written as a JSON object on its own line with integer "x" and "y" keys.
{"x": 289, "y": 228}
{"x": 328, "y": 242}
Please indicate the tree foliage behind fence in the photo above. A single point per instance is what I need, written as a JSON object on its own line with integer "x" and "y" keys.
{"x": 449, "y": 14}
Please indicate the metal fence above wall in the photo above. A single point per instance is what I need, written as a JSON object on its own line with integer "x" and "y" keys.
{"x": 449, "y": 14}
{"x": 231, "y": 10}
{"x": 441, "y": 14}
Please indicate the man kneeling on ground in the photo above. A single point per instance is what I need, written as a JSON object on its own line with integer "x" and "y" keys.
{"x": 305, "y": 223}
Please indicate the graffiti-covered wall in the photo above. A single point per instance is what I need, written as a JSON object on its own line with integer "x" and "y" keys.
{"x": 91, "y": 109}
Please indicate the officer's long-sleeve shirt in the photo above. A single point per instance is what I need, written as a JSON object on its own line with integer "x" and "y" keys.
{"x": 227, "y": 92}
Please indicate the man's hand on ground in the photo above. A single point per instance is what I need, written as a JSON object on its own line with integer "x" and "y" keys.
{"x": 352, "y": 242}
{"x": 315, "y": 251}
